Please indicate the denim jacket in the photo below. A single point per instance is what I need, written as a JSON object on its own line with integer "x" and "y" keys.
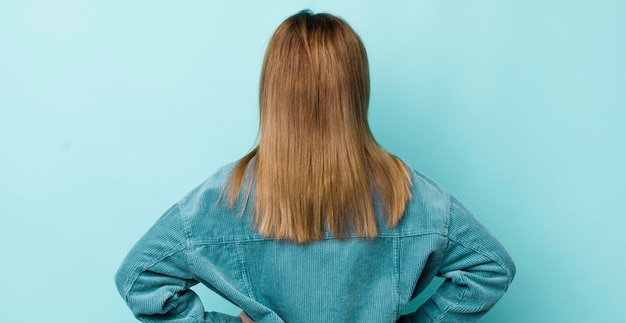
{"x": 333, "y": 280}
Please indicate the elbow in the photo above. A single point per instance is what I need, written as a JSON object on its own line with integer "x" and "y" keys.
{"x": 510, "y": 268}
{"x": 499, "y": 277}
{"x": 121, "y": 278}
{"x": 497, "y": 283}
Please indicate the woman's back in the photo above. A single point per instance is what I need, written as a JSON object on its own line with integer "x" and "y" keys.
{"x": 331, "y": 280}
{"x": 318, "y": 223}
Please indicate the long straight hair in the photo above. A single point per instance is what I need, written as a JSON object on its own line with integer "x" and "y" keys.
{"x": 317, "y": 163}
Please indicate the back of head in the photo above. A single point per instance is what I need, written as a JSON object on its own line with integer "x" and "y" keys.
{"x": 317, "y": 162}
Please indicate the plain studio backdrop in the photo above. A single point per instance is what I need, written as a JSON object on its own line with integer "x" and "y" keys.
{"x": 111, "y": 111}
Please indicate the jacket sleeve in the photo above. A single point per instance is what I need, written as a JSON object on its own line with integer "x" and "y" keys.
{"x": 477, "y": 271}
{"x": 154, "y": 278}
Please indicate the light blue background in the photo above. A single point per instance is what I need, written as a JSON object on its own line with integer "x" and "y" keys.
{"x": 110, "y": 111}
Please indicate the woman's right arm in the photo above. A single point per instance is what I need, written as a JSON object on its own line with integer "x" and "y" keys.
{"x": 477, "y": 271}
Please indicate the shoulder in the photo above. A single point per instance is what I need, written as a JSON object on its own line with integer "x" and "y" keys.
{"x": 426, "y": 187}
{"x": 428, "y": 210}
{"x": 209, "y": 188}
{"x": 206, "y": 216}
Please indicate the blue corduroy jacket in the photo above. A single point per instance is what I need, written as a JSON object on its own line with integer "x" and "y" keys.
{"x": 333, "y": 280}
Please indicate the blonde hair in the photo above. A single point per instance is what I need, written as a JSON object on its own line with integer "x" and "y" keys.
{"x": 317, "y": 162}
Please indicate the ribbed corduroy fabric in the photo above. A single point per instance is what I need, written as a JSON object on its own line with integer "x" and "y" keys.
{"x": 351, "y": 280}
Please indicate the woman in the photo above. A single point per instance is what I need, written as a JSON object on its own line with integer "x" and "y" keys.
{"x": 318, "y": 223}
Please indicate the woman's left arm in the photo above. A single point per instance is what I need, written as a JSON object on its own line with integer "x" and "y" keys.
{"x": 154, "y": 279}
